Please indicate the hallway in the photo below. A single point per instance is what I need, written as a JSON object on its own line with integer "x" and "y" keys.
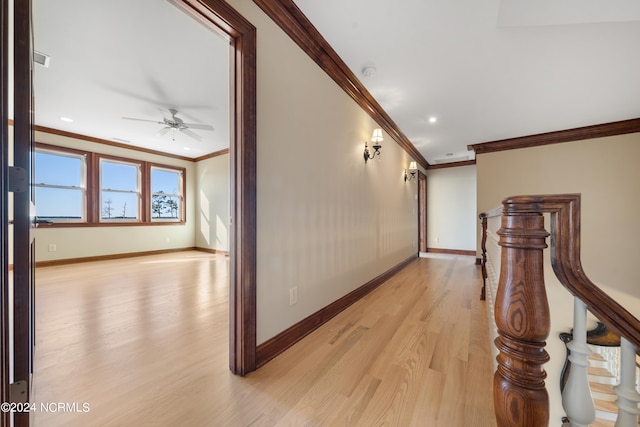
{"x": 143, "y": 341}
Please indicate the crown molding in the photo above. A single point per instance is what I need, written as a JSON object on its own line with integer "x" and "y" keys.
{"x": 212, "y": 155}
{"x": 569, "y": 135}
{"x": 107, "y": 142}
{"x": 452, "y": 164}
{"x": 295, "y": 24}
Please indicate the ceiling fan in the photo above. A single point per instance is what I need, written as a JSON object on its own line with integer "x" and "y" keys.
{"x": 173, "y": 123}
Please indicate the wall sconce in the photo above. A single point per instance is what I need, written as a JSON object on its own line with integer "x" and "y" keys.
{"x": 413, "y": 170}
{"x": 376, "y": 139}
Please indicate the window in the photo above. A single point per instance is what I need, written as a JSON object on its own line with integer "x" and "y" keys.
{"x": 166, "y": 194}
{"x": 76, "y": 188}
{"x": 119, "y": 191}
{"x": 60, "y": 185}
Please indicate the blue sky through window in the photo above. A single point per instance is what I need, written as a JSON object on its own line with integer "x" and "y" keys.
{"x": 53, "y": 169}
{"x": 164, "y": 181}
{"x": 60, "y": 188}
{"x": 122, "y": 177}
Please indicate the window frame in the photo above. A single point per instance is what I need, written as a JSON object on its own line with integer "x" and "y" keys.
{"x": 84, "y": 156}
{"x": 93, "y": 207}
{"x": 182, "y": 192}
{"x": 139, "y": 165}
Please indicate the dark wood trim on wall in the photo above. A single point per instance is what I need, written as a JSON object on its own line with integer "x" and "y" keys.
{"x": 452, "y": 164}
{"x": 123, "y": 146}
{"x": 107, "y": 142}
{"x": 569, "y": 135}
{"x": 422, "y": 211}
{"x": 276, "y": 345}
{"x": 295, "y": 24}
{"x": 222, "y": 18}
{"x": 123, "y": 255}
{"x": 67, "y": 261}
{"x": 451, "y": 251}
{"x": 212, "y": 251}
{"x": 5, "y": 267}
{"x": 212, "y": 155}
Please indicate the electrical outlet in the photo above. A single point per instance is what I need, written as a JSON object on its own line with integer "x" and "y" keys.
{"x": 437, "y": 239}
{"x": 52, "y": 247}
{"x": 293, "y": 295}
{"x": 167, "y": 240}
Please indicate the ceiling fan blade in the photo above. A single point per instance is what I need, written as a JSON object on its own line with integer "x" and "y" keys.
{"x": 161, "y": 132}
{"x": 191, "y": 134}
{"x": 143, "y": 120}
{"x": 198, "y": 126}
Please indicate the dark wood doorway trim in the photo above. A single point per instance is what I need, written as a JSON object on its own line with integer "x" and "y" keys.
{"x": 4, "y": 209}
{"x": 222, "y": 18}
{"x": 422, "y": 212}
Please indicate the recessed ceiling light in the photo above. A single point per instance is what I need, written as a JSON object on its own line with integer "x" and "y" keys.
{"x": 66, "y": 119}
{"x": 433, "y": 119}
{"x": 187, "y": 148}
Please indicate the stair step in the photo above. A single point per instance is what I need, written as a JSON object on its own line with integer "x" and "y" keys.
{"x": 601, "y": 375}
{"x": 599, "y": 364}
{"x": 600, "y": 372}
{"x": 603, "y": 423}
{"x": 596, "y": 357}
{"x": 604, "y": 406}
{"x": 603, "y": 391}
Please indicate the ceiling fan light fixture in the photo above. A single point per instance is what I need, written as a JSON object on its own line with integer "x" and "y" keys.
{"x": 174, "y": 123}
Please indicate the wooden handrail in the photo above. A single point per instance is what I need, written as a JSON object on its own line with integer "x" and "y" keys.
{"x": 565, "y": 260}
{"x": 521, "y": 307}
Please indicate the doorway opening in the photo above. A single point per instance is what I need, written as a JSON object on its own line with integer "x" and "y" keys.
{"x": 240, "y": 34}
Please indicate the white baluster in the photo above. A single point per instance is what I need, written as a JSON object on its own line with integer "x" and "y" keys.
{"x": 576, "y": 397}
{"x": 628, "y": 397}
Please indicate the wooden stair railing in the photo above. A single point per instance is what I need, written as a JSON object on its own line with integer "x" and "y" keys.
{"x": 522, "y": 313}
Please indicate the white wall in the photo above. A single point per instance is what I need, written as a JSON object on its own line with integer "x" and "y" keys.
{"x": 98, "y": 241}
{"x": 212, "y": 203}
{"x": 451, "y": 208}
{"x": 327, "y": 223}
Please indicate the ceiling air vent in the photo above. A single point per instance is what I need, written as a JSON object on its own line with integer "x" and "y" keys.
{"x": 41, "y": 58}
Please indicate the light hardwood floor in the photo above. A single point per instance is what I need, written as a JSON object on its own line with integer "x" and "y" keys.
{"x": 143, "y": 341}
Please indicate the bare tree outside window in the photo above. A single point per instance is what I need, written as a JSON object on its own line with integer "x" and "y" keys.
{"x": 107, "y": 209}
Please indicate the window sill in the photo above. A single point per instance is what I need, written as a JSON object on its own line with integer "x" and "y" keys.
{"x": 107, "y": 224}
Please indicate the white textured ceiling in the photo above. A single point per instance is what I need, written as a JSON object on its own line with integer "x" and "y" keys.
{"x": 485, "y": 69}
{"x": 483, "y": 80}
{"x": 123, "y": 58}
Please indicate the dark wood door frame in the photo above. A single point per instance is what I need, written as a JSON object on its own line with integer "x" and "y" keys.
{"x": 422, "y": 212}
{"x": 23, "y": 213}
{"x": 4, "y": 208}
{"x": 219, "y": 16}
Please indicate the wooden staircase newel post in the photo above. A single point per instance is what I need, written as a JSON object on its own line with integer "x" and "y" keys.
{"x": 522, "y": 319}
